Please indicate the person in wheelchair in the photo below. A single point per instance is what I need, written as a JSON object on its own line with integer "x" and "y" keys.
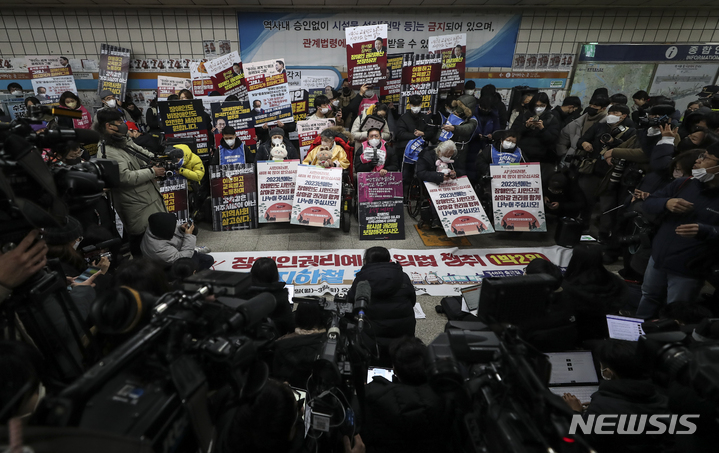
{"x": 437, "y": 165}
{"x": 328, "y": 153}
{"x": 502, "y": 150}
{"x": 375, "y": 155}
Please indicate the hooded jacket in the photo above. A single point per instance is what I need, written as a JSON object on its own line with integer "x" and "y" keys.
{"x": 405, "y": 418}
{"x": 168, "y": 251}
{"x": 391, "y": 308}
{"x": 569, "y": 134}
{"x": 138, "y": 195}
{"x": 192, "y": 167}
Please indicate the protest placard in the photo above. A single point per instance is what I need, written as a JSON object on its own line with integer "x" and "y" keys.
{"x": 174, "y": 194}
{"x": 233, "y": 190}
{"x": 276, "y": 187}
{"x": 458, "y": 208}
{"x": 227, "y": 75}
{"x": 453, "y": 49}
{"x": 114, "y": 69}
{"x": 167, "y": 86}
{"x": 392, "y": 88}
{"x": 308, "y": 131}
{"x": 420, "y": 76}
{"x": 183, "y": 119}
{"x": 49, "y": 83}
{"x": 317, "y": 196}
{"x": 517, "y": 199}
{"x": 269, "y": 91}
{"x": 238, "y": 115}
{"x": 202, "y": 84}
{"x": 381, "y": 212}
{"x": 366, "y": 54}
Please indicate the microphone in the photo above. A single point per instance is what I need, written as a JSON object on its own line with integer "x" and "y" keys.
{"x": 252, "y": 311}
{"x": 50, "y": 137}
{"x": 102, "y": 245}
{"x": 363, "y": 297}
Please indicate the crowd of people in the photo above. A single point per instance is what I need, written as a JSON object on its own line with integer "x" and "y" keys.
{"x": 642, "y": 176}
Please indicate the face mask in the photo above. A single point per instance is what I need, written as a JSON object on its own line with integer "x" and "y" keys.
{"x": 539, "y": 110}
{"x": 324, "y": 110}
{"x": 16, "y": 93}
{"x": 122, "y": 129}
{"x": 327, "y": 145}
{"x": 653, "y": 131}
{"x": 346, "y": 91}
{"x": 446, "y": 160}
{"x": 71, "y": 104}
{"x": 258, "y": 110}
{"x": 591, "y": 111}
{"x": 77, "y": 243}
{"x": 469, "y": 92}
{"x": 368, "y": 94}
{"x": 230, "y": 142}
{"x": 508, "y": 145}
{"x": 677, "y": 173}
{"x": 613, "y": 119}
{"x": 276, "y": 141}
{"x": 335, "y": 103}
{"x": 701, "y": 175}
{"x": 415, "y": 110}
{"x": 111, "y": 103}
{"x": 374, "y": 142}
{"x": 604, "y": 376}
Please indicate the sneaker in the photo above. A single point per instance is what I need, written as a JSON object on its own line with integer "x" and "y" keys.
{"x": 436, "y": 225}
{"x": 203, "y": 249}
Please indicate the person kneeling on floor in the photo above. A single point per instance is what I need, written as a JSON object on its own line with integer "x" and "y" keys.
{"x": 166, "y": 241}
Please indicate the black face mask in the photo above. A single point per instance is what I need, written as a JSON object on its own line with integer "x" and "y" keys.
{"x": 346, "y": 91}
{"x": 591, "y": 111}
{"x": 686, "y": 144}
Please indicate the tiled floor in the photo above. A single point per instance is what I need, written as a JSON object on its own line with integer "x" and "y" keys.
{"x": 275, "y": 237}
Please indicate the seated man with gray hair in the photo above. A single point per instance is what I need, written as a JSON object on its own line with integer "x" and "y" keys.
{"x": 437, "y": 165}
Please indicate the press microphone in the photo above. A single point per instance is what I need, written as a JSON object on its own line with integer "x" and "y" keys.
{"x": 50, "y": 137}
{"x": 362, "y": 300}
{"x": 250, "y": 312}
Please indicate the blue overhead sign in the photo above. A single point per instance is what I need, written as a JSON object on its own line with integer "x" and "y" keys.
{"x": 648, "y": 52}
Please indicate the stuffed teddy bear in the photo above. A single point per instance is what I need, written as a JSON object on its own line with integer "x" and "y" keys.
{"x": 278, "y": 152}
{"x": 442, "y": 167}
{"x": 324, "y": 158}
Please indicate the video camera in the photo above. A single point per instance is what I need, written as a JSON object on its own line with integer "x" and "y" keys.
{"x": 182, "y": 346}
{"x": 660, "y": 115}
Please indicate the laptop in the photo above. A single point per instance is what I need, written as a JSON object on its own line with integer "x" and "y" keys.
{"x": 623, "y": 328}
{"x": 470, "y": 298}
{"x": 573, "y": 372}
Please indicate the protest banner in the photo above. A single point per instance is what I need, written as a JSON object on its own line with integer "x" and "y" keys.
{"x": 366, "y": 55}
{"x": 269, "y": 91}
{"x": 174, "y": 194}
{"x": 167, "y": 86}
{"x": 183, "y": 119}
{"x": 300, "y": 105}
{"x": 308, "y": 131}
{"x": 453, "y": 49}
{"x": 276, "y": 188}
{"x": 317, "y": 196}
{"x": 233, "y": 190}
{"x": 114, "y": 68}
{"x": 420, "y": 76}
{"x": 227, "y": 75}
{"x": 238, "y": 115}
{"x": 435, "y": 272}
{"x": 517, "y": 199}
{"x": 202, "y": 84}
{"x": 458, "y": 208}
{"x": 49, "y": 83}
{"x": 392, "y": 88}
{"x": 381, "y": 211}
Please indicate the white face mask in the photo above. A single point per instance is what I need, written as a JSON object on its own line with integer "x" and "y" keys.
{"x": 653, "y": 131}
{"x": 677, "y": 173}
{"x": 230, "y": 142}
{"x": 374, "y": 142}
{"x": 701, "y": 175}
{"x": 112, "y": 103}
{"x": 324, "y": 110}
{"x": 446, "y": 160}
{"x": 613, "y": 119}
{"x": 415, "y": 109}
{"x": 368, "y": 93}
{"x": 16, "y": 93}
{"x": 276, "y": 141}
{"x": 258, "y": 110}
{"x": 469, "y": 92}
{"x": 539, "y": 110}
{"x": 336, "y": 103}
{"x": 508, "y": 145}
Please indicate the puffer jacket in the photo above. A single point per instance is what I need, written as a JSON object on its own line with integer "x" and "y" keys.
{"x": 138, "y": 195}
{"x": 192, "y": 167}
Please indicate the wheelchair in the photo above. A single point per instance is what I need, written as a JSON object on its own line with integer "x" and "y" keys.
{"x": 349, "y": 194}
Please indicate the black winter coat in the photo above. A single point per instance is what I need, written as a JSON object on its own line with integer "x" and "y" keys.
{"x": 406, "y": 125}
{"x": 427, "y": 167}
{"x": 403, "y": 418}
{"x": 390, "y": 163}
{"x": 538, "y": 145}
{"x": 294, "y": 356}
{"x": 391, "y": 308}
{"x": 263, "y": 151}
{"x": 282, "y": 315}
{"x": 627, "y": 396}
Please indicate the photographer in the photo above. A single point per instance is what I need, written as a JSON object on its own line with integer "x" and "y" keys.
{"x": 538, "y": 133}
{"x": 406, "y": 415}
{"x": 138, "y": 196}
{"x": 688, "y": 221}
{"x": 150, "y": 141}
{"x": 391, "y": 308}
{"x": 375, "y": 155}
{"x": 166, "y": 241}
{"x": 189, "y": 164}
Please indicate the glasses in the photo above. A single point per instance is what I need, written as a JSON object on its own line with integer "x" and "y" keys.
{"x": 707, "y": 156}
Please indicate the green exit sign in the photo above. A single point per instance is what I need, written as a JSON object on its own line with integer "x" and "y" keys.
{"x": 589, "y": 50}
